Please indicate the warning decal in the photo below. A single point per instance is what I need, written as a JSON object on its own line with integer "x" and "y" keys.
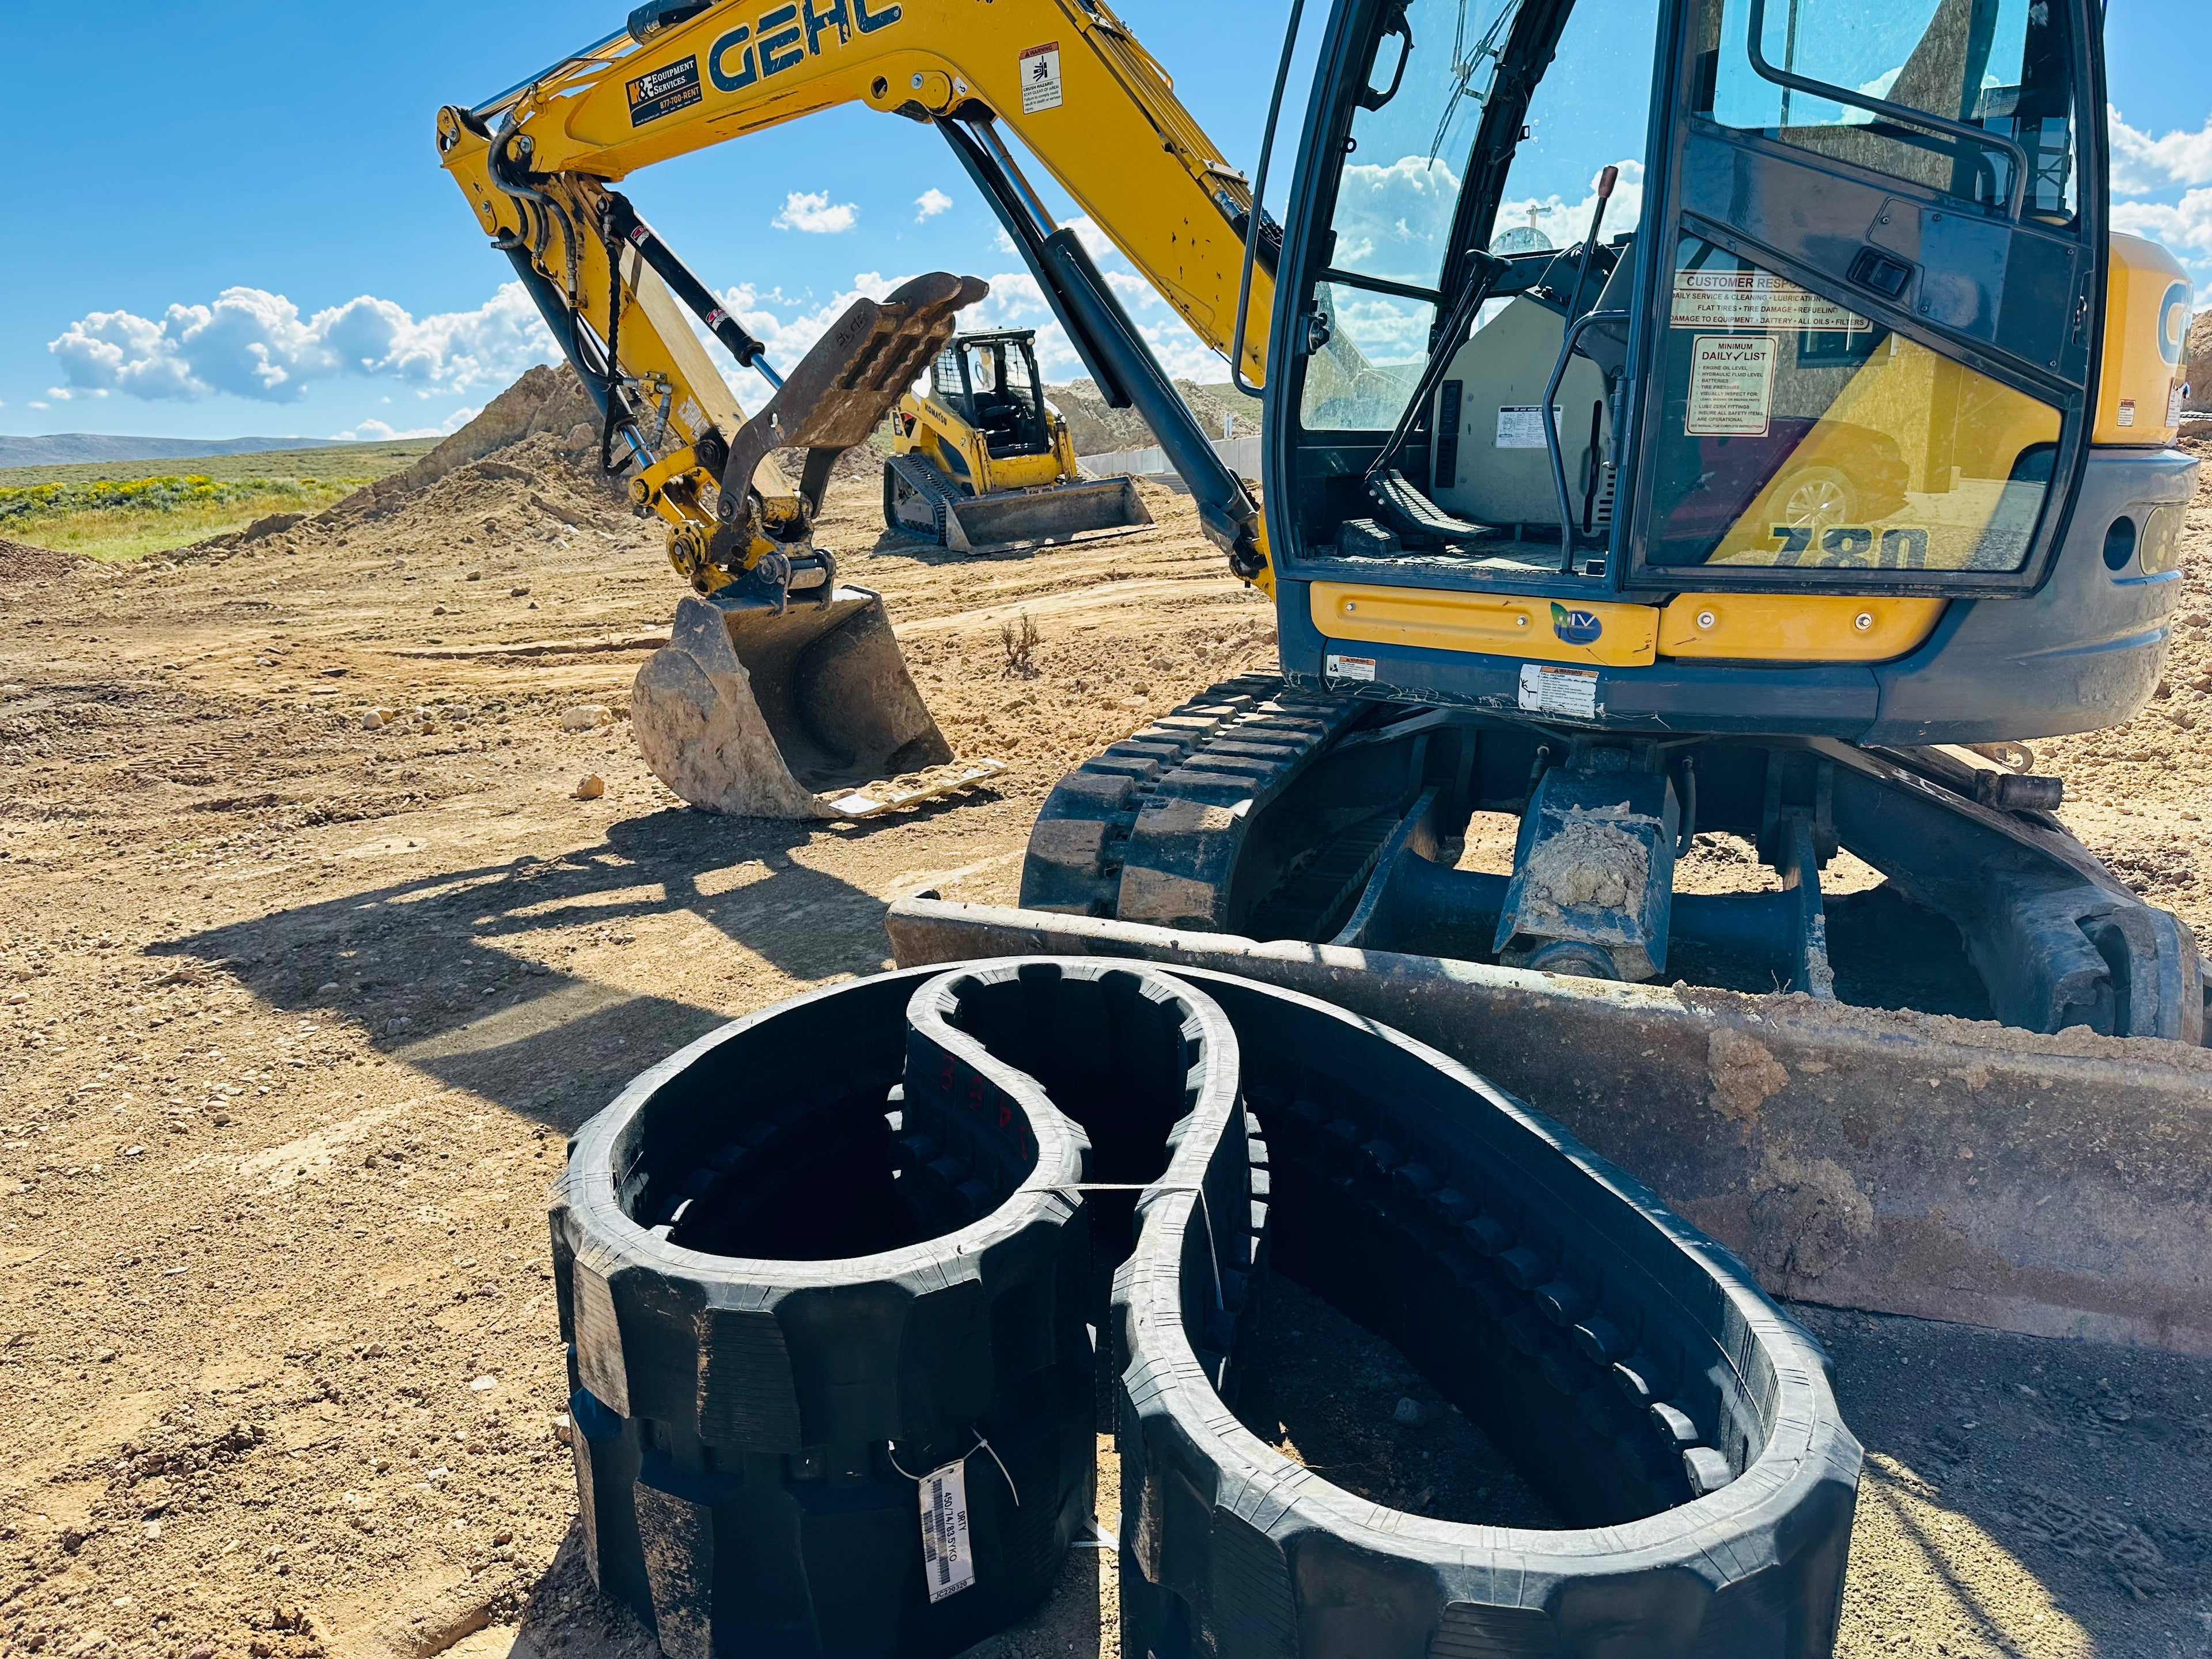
{"x": 1040, "y": 87}
{"x": 1569, "y": 691}
{"x": 1349, "y": 668}
{"x": 1521, "y": 426}
{"x": 1756, "y": 299}
{"x": 663, "y": 91}
{"x": 1731, "y": 386}
{"x": 948, "y": 1562}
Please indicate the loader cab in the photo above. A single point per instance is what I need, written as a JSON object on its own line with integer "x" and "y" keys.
{"x": 1836, "y": 329}
{"x": 990, "y": 380}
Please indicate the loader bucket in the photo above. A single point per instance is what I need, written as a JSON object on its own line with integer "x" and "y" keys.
{"x": 1054, "y": 513}
{"x": 789, "y": 715}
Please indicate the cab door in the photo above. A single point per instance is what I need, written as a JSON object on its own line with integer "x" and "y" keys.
{"x": 1870, "y": 300}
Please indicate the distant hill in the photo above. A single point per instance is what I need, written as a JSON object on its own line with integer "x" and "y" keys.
{"x": 354, "y": 463}
{"x": 80, "y": 448}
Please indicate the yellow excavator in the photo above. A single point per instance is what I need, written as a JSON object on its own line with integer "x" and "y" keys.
{"x": 1705, "y": 415}
{"x": 981, "y": 458}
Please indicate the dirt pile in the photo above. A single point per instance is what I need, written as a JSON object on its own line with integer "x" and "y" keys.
{"x": 1098, "y": 429}
{"x": 545, "y": 400}
{"x": 20, "y": 563}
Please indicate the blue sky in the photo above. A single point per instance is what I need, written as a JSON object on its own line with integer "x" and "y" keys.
{"x": 218, "y": 204}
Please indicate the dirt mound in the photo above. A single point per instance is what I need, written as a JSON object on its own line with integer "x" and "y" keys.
{"x": 1099, "y": 431}
{"x": 545, "y": 400}
{"x": 22, "y": 563}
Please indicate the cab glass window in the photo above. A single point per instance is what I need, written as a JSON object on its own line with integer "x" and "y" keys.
{"x": 2002, "y": 67}
{"x": 1798, "y": 434}
{"x": 1370, "y": 362}
{"x": 1412, "y": 137}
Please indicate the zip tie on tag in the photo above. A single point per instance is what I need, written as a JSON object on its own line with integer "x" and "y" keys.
{"x": 1205, "y": 1211}
{"x": 982, "y": 1443}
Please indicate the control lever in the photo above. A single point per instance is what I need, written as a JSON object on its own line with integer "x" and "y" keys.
{"x": 1606, "y": 182}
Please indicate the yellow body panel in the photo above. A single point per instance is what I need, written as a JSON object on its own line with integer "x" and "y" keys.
{"x": 1777, "y": 627}
{"x": 1491, "y": 625}
{"x": 925, "y": 427}
{"x": 1795, "y": 628}
{"x": 1120, "y": 141}
{"x": 2147, "y": 310}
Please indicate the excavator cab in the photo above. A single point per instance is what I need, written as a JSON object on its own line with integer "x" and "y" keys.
{"x": 1755, "y": 407}
{"x": 981, "y": 458}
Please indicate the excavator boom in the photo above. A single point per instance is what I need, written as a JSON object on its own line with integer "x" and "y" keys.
{"x": 741, "y": 711}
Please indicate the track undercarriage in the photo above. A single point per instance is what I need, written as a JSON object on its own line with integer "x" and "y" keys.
{"x": 1275, "y": 814}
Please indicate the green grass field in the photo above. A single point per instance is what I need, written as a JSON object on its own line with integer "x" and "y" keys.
{"x": 88, "y": 509}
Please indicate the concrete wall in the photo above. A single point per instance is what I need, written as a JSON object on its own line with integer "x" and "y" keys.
{"x": 1243, "y": 455}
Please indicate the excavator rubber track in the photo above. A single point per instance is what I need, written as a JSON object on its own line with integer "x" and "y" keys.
{"x": 1260, "y": 811}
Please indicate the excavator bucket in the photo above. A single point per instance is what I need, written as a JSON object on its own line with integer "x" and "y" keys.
{"x": 810, "y": 713}
{"x": 1054, "y": 514}
{"x": 920, "y": 501}
{"x": 801, "y": 706}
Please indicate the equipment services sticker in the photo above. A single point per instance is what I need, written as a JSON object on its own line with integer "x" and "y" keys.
{"x": 1040, "y": 87}
{"x": 1569, "y": 691}
{"x": 663, "y": 91}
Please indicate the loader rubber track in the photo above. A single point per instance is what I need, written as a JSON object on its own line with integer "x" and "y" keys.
{"x": 926, "y": 481}
{"x": 1153, "y": 828}
{"x": 1631, "y": 1367}
{"x": 793, "y": 1286}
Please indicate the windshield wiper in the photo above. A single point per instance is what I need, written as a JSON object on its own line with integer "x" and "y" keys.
{"x": 1465, "y": 65}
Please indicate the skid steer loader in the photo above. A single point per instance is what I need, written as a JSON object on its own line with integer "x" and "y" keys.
{"x": 982, "y": 460}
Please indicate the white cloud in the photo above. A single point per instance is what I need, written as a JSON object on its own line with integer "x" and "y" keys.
{"x": 1565, "y": 223}
{"x": 790, "y": 325}
{"x": 35, "y": 403}
{"x": 931, "y": 202}
{"x": 812, "y": 211}
{"x": 252, "y": 344}
{"x": 1393, "y": 220}
{"x": 2187, "y": 223}
{"x": 2143, "y": 164}
{"x": 374, "y": 431}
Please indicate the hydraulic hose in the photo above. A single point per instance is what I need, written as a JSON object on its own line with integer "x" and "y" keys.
{"x": 624, "y": 226}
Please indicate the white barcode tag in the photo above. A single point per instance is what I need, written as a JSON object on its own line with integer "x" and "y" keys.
{"x": 947, "y": 1560}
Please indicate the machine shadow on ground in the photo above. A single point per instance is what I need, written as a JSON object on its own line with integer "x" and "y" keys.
{"x": 477, "y": 976}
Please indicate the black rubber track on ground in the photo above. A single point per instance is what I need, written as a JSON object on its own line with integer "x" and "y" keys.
{"x": 1631, "y": 1366}
{"x": 750, "y": 1425}
{"x": 792, "y": 1283}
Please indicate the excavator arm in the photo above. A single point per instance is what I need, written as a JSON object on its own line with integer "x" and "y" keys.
{"x": 539, "y": 164}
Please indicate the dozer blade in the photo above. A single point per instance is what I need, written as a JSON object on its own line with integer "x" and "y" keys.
{"x": 975, "y": 523}
{"x": 808, "y": 712}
